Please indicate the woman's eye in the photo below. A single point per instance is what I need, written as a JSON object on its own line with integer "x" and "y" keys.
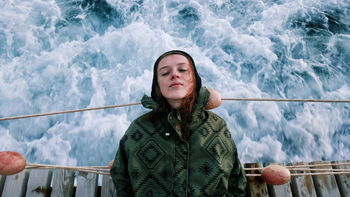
{"x": 182, "y": 70}
{"x": 165, "y": 74}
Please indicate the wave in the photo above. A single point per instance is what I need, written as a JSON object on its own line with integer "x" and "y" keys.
{"x": 60, "y": 55}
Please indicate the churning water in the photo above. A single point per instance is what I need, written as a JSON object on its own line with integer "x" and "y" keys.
{"x": 58, "y": 55}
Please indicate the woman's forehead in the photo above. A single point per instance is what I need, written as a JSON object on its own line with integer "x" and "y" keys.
{"x": 173, "y": 60}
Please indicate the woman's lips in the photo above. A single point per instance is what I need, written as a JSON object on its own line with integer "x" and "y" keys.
{"x": 175, "y": 84}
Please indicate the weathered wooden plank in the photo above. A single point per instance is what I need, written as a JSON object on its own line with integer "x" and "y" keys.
{"x": 62, "y": 183}
{"x": 2, "y": 182}
{"x": 39, "y": 183}
{"x": 343, "y": 180}
{"x": 302, "y": 186}
{"x": 16, "y": 185}
{"x": 325, "y": 185}
{"x": 256, "y": 185}
{"x": 108, "y": 188}
{"x": 86, "y": 185}
{"x": 279, "y": 190}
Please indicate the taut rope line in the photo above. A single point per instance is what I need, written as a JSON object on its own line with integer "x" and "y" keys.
{"x": 68, "y": 111}
{"x": 308, "y": 165}
{"x": 130, "y": 104}
{"x": 104, "y": 170}
{"x": 287, "y": 100}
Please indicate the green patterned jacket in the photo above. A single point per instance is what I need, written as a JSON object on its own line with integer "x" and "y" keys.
{"x": 153, "y": 159}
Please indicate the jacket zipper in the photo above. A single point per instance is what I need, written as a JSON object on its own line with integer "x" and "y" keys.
{"x": 187, "y": 166}
{"x": 178, "y": 115}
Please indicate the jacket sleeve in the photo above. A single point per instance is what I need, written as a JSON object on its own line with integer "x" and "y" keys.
{"x": 237, "y": 181}
{"x": 119, "y": 171}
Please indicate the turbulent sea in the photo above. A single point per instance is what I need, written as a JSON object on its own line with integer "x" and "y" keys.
{"x": 58, "y": 55}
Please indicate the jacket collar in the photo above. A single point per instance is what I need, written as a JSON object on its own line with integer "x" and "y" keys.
{"x": 148, "y": 102}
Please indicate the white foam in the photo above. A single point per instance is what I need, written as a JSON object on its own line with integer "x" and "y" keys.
{"x": 66, "y": 57}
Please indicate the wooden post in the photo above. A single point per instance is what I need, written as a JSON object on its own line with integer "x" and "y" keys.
{"x": 62, "y": 183}
{"x": 16, "y": 185}
{"x": 343, "y": 180}
{"x": 2, "y": 182}
{"x": 325, "y": 185}
{"x": 279, "y": 190}
{"x": 302, "y": 186}
{"x": 39, "y": 183}
{"x": 86, "y": 185}
{"x": 257, "y": 186}
{"x": 108, "y": 188}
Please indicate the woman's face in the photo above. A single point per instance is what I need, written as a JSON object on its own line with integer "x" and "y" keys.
{"x": 175, "y": 77}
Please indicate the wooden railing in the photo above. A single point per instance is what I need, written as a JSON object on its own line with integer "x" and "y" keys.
{"x": 70, "y": 183}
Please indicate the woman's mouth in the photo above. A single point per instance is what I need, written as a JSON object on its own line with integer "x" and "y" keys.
{"x": 175, "y": 84}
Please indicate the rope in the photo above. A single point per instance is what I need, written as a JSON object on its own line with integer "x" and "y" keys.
{"x": 306, "y": 174}
{"x": 287, "y": 100}
{"x": 310, "y": 171}
{"x": 130, "y": 104}
{"x": 104, "y": 170}
{"x": 68, "y": 111}
{"x": 307, "y": 165}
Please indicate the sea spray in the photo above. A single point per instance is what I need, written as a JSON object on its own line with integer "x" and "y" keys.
{"x": 61, "y": 55}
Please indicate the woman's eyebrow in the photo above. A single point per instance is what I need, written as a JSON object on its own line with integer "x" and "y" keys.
{"x": 164, "y": 67}
{"x": 181, "y": 64}
{"x": 178, "y": 64}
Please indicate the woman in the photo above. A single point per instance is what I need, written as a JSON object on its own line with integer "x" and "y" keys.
{"x": 179, "y": 148}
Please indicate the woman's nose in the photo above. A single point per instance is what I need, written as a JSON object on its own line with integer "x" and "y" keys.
{"x": 174, "y": 75}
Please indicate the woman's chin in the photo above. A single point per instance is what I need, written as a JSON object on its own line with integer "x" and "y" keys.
{"x": 175, "y": 98}
{"x": 175, "y": 95}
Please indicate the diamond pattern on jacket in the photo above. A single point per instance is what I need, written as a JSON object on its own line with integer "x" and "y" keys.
{"x": 211, "y": 184}
{"x": 210, "y": 127}
{"x": 204, "y": 132}
{"x": 151, "y": 186}
{"x": 217, "y": 149}
{"x": 150, "y": 154}
{"x": 227, "y": 134}
{"x": 137, "y": 135}
{"x": 205, "y": 169}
